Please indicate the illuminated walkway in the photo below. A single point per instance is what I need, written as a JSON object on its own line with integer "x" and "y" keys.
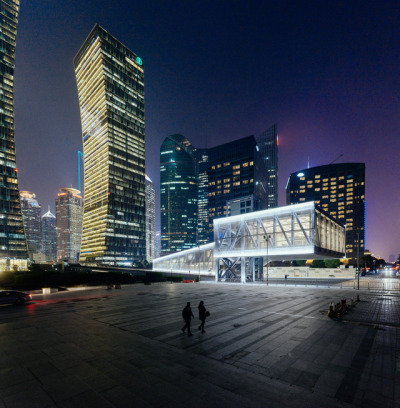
{"x": 244, "y": 243}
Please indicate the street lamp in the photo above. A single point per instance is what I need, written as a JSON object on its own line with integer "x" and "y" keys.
{"x": 267, "y": 239}
{"x": 358, "y": 259}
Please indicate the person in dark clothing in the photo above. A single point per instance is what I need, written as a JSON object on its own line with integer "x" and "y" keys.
{"x": 187, "y": 317}
{"x": 202, "y": 316}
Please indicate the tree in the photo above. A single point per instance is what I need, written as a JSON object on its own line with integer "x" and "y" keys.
{"x": 368, "y": 261}
{"x": 380, "y": 263}
{"x": 332, "y": 263}
{"x": 299, "y": 263}
{"x": 318, "y": 263}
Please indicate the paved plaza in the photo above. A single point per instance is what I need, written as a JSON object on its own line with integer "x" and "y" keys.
{"x": 263, "y": 347}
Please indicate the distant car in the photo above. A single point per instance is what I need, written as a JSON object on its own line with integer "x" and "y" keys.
{"x": 14, "y": 297}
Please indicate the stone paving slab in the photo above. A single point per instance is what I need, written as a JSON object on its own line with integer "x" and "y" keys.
{"x": 263, "y": 346}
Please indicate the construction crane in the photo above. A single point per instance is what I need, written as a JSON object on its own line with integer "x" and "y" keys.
{"x": 337, "y": 158}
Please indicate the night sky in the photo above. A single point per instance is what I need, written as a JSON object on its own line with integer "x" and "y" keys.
{"x": 326, "y": 72}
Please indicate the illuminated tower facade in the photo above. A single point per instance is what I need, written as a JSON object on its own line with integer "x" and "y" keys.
{"x": 202, "y": 202}
{"x": 31, "y": 213}
{"x": 339, "y": 189}
{"x": 150, "y": 220}
{"x": 12, "y": 235}
{"x": 267, "y": 143}
{"x": 49, "y": 236}
{"x": 235, "y": 170}
{"x": 178, "y": 194}
{"x": 69, "y": 209}
{"x": 110, "y": 81}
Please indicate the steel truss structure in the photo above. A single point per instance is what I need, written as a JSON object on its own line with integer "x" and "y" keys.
{"x": 195, "y": 261}
{"x": 246, "y": 242}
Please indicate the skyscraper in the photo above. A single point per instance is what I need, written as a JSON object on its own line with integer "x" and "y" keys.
{"x": 69, "y": 209}
{"x": 339, "y": 189}
{"x": 236, "y": 170}
{"x": 49, "y": 236}
{"x": 202, "y": 200}
{"x": 31, "y": 214}
{"x": 110, "y": 80}
{"x": 150, "y": 220}
{"x": 12, "y": 235}
{"x": 268, "y": 145}
{"x": 178, "y": 194}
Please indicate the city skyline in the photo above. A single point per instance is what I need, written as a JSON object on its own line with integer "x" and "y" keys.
{"x": 324, "y": 73}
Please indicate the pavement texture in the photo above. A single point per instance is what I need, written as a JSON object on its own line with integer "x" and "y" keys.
{"x": 263, "y": 347}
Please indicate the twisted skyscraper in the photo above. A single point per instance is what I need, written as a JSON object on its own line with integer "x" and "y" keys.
{"x": 110, "y": 81}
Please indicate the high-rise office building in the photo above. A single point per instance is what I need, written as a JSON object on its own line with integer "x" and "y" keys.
{"x": 12, "y": 235}
{"x": 69, "y": 210}
{"x": 49, "y": 236}
{"x": 268, "y": 146}
{"x": 202, "y": 192}
{"x": 31, "y": 214}
{"x": 339, "y": 190}
{"x": 178, "y": 194}
{"x": 236, "y": 169}
{"x": 110, "y": 80}
{"x": 150, "y": 220}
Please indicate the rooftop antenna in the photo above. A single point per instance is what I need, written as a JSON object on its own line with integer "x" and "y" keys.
{"x": 337, "y": 158}
{"x": 308, "y": 165}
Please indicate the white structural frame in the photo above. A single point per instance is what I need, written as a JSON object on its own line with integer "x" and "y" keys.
{"x": 194, "y": 261}
{"x": 244, "y": 243}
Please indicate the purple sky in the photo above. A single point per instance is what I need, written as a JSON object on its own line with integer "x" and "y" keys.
{"x": 325, "y": 72}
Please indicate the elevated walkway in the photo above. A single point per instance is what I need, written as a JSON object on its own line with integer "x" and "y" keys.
{"x": 245, "y": 243}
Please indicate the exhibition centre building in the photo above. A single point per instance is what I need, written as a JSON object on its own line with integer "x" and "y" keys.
{"x": 244, "y": 244}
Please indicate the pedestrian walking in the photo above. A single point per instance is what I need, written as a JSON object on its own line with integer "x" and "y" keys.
{"x": 202, "y": 316}
{"x": 187, "y": 317}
